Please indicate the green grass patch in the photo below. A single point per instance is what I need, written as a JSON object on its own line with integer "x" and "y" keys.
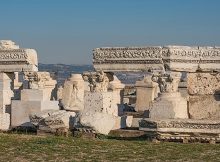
{"x": 19, "y": 147}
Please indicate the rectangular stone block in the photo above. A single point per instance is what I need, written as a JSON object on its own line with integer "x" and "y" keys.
{"x": 99, "y": 102}
{"x": 204, "y": 107}
{"x": 34, "y": 95}
{"x": 18, "y": 60}
{"x": 128, "y": 58}
{"x": 191, "y": 58}
{"x": 203, "y": 83}
{"x": 21, "y": 110}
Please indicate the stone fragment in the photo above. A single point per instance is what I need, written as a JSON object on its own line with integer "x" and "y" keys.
{"x": 100, "y": 122}
{"x": 203, "y": 83}
{"x": 58, "y": 120}
{"x": 100, "y": 102}
{"x": 21, "y": 110}
{"x": 35, "y": 118}
{"x": 181, "y": 127}
{"x": 14, "y": 59}
{"x": 117, "y": 96}
{"x": 204, "y": 106}
{"x": 98, "y": 81}
{"x": 146, "y": 92}
{"x": 73, "y": 93}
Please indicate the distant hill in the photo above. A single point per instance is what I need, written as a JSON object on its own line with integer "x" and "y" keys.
{"x": 64, "y": 71}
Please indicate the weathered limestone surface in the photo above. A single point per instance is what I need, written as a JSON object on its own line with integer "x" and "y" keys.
{"x": 203, "y": 83}
{"x": 170, "y": 104}
{"x": 204, "y": 95}
{"x": 204, "y": 107}
{"x": 73, "y": 93}
{"x": 117, "y": 96}
{"x": 21, "y": 110}
{"x": 14, "y": 59}
{"x": 172, "y": 58}
{"x": 103, "y": 123}
{"x": 100, "y": 102}
{"x": 146, "y": 92}
{"x": 62, "y": 119}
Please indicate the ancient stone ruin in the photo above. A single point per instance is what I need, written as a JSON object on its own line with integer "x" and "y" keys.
{"x": 177, "y": 99}
{"x": 171, "y": 115}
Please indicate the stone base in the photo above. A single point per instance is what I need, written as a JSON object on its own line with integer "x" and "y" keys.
{"x": 4, "y": 121}
{"x": 21, "y": 110}
{"x": 204, "y": 107}
{"x": 169, "y": 106}
{"x": 181, "y": 128}
{"x": 100, "y": 102}
{"x": 35, "y": 95}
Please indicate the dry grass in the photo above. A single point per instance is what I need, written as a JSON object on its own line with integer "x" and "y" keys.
{"x": 18, "y": 147}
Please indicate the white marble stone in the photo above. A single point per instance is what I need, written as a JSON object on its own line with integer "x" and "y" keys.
{"x": 14, "y": 59}
{"x": 146, "y": 92}
{"x": 21, "y": 110}
{"x": 169, "y": 106}
{"x": 73, "y": 93}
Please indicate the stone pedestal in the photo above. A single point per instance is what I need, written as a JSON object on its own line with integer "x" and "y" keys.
{"x": 73, "y": 93}
{"x": 146, "y": 92}
{"x": 170, "y": 104}
{"x": 100, "y": 113}
{"x": 100, "y": 102}
{"x": 117, "y": 96}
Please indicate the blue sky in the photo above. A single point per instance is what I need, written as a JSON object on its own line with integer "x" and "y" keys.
{"x": 66, "y": 31}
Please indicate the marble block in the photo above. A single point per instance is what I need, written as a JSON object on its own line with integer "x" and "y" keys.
{"x": 169, "y": 106}
{"x": 21, "y": 110}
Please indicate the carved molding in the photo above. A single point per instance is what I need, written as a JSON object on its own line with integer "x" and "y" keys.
{"x": 179, "y": 124}
{"x": 171, "y": 57}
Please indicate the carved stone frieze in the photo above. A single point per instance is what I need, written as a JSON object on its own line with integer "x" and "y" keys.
{"x": 157, "y": 58}
{"x": 177, "y": 123}
{"x": 13, "y": 59}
